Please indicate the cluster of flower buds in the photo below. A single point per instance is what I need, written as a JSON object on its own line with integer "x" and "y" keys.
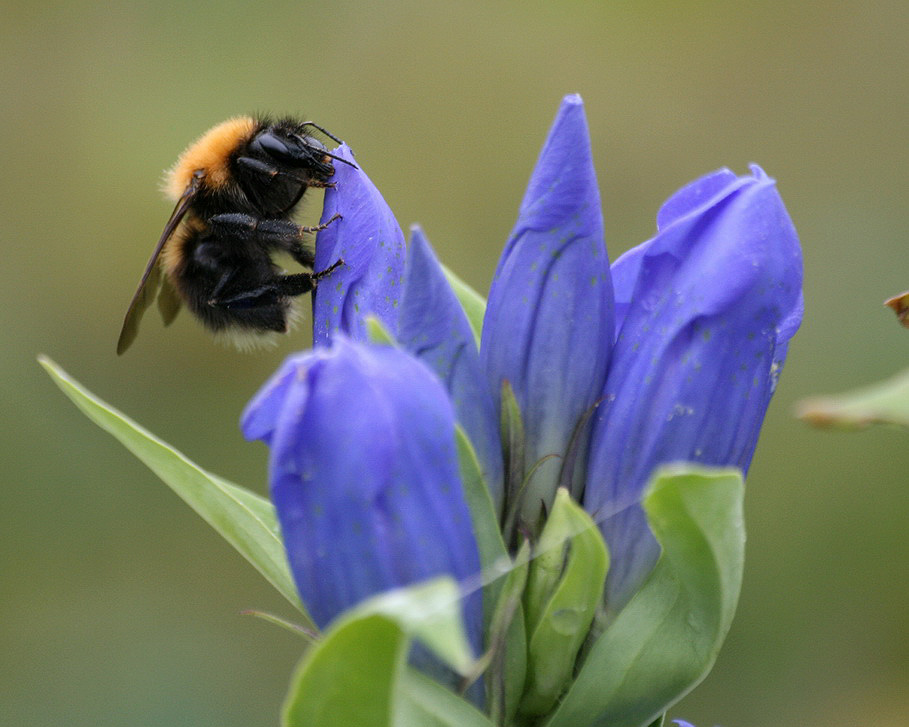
{"x": 588, "y": 427}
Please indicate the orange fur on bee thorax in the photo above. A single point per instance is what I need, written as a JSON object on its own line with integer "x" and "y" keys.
{"x": 210, "y": 152}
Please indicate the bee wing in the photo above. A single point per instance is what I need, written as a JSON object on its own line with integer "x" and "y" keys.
{"x": 151, "y": 278}
{"x": 169, "y": 301}
{"x": 141, "y": 300}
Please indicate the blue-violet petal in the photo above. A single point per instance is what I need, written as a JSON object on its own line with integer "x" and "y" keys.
{"x": 371, "y": 244}
{"x": 364, "y": 476}
{"x": 548, "y": 327}
{"x": 432, "y": 325}
{"x": 707, "y": 307}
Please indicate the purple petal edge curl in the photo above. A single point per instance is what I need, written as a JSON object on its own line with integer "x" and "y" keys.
{"x": 432, "y": 325}
{"x": 707, "y": 308}
{"x": 548, "y": 327}
{"x": 371, "y": 244}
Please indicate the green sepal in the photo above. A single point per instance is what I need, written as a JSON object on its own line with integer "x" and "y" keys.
{"x": 482, "y": 508}
{"x": 494, "y": 557}
{"x": 886, "y": 402}
{"x": 243, "y": 518}
{"x": 421, "y": 702}
{"x": 471, "y": 301}
{"x": 378, "y": 333}
{"x": 564, "y": 588}
{"x": 512, "y": 429}
{"x": 507, "y": 643}
{"x": 665, "y": 641}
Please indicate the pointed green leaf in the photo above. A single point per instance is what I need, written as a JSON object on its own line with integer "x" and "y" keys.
{"x": 564, "y": 588}
{"x": 421, "y": 702}
{"x": 246, "y": 520}
{"x": 349, "y": 677}
{"x": 308, "y": 635}
{"x": 666, "y": 639}
{"x": 886, "y": 402}
{"x": 472, "y": 302}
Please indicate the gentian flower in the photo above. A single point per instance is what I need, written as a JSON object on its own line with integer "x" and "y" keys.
{"x": 705, "y": 311}
{"x": 588, "y": 377}
{"x": 549, "y": 324}
{"x": 364, "y": 476}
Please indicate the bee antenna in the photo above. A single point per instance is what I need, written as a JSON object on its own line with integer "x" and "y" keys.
{"x": 316, "y": 126}
{"x": 337, "y": 158}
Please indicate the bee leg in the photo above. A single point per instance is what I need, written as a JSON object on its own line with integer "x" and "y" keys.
{"x": 302, "y": 254}
{"x": 282, "y": 286}
{"x": 296, "y": 284}
{"x": 316, "y": 228}
{"x": 320, "y": 185}
{"x": 272, "y": 234}
{"x": 328, "y": 271}
{"x": 233, "y": 225}
{"x": 216, "y": 291}
{"x": 271, "y": 231}
{"x": 299, "y": 283}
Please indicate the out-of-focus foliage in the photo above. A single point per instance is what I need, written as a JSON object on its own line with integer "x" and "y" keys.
{"x": 445, "y": 104}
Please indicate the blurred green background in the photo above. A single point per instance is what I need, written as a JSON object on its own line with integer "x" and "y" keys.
{"x": 119, "y": 606}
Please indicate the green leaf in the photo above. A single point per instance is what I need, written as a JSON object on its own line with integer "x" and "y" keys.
{"x": 246, "y": 520}
{"x": 886, "y": 402}
{"x": 357, "y": 674}
{"x": 564, "y": 588}
{"x": 666, "y": 639}
{"x": 421, "y": 702}
{"x": 472, "y": 302}
{"x": 349, "y": 677}
{"x": 308, "y": 634}
{"x": 430, "y": 612}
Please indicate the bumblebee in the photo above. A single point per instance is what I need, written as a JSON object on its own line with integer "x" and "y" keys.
{"x": 235, "y": 190}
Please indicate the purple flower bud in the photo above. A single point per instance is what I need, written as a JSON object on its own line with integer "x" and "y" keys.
{"x": 433, "y": 326}
{"x": 705, "y": 310}
{"x": 371, "y": 244}
{"x": 548, "y": 328}
{"x": 364, "y": 476}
